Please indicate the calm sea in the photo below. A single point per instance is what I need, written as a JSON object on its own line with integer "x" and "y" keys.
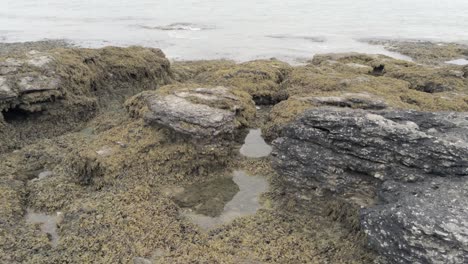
{"x": 237, "y": 29}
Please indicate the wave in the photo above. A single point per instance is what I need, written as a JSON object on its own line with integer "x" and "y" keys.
{"x": 179, "y": 26}
{"x": 303, "y": 37}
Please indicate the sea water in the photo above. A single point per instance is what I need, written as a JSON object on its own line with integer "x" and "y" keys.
{"x": 241, "y": 29}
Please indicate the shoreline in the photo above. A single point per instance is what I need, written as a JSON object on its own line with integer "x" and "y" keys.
{"x": 394, "y": 48}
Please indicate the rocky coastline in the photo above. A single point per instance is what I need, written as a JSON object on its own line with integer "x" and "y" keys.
{"x": 369, "y": 160}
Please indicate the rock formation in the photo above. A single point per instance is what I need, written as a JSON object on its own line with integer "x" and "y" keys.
{"x": 417, "y": 161}
{"x": 48, "y": 93}
{"x": 198, "y": 112}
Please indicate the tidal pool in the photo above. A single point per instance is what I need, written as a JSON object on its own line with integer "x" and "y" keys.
{"x": 255, "y": 146}
{"x": 245, "y": 200}
{"x": 460, "y": 62}
{"x": 48, "y": 224}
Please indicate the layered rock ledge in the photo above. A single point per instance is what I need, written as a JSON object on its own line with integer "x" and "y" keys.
{"x": 416, "y": 161}
{"x": 48, "y": 93}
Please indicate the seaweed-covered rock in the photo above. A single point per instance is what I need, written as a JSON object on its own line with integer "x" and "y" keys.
{"x": 28, "y": 81}
{"x": 51, "y": 92}
{"x": 422, "y": 78}
{"x": 338, "y": 149}
{"x": 261, "y": 79}
{"x": 199, "y": 112}
{"x": 422, "y": 223}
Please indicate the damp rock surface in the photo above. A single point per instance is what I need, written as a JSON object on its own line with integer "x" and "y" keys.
{"x": 424, "y": 223}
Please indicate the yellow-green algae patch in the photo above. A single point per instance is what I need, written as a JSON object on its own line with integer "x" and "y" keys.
{"x": 259, "y": 78}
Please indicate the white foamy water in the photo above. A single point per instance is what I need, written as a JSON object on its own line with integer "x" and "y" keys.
{"x": 240, "y": 29}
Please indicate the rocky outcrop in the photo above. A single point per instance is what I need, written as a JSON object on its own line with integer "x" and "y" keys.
{"x": 28, "y": 82}
{"x": 198, "y": 112}
{"x": 51, "y": 92}
{"x": 332, "y": 147}
{"x": 415, "y": 160}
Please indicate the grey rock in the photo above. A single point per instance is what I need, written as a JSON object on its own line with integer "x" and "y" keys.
{"x": 38, "y": 83}
{"x": 415, "y": 162}
{"x": 421, "y": 223}
{"x": 9, "y": 66}
{"x": 33, "y": 58}
{"x": 5, "y": 90}
{"x": 38, "y": 59}
{"x": 337, "y": 149}
{"x": 194, "y": 112}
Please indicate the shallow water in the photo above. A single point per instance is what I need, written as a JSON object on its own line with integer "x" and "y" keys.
{"x": 48, "y": 224}
{"x": 255, "y": 146}
{"x": 458, "y": 62}
{"x": 241, "y": 30}
{"x": 245, "y": 201}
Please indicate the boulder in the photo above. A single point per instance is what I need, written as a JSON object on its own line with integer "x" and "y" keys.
{"x": 199, "y": 112}
{"x": 336, "y": 149}
{"x": 415, "y": 162}
{"x": 422, "y": 223}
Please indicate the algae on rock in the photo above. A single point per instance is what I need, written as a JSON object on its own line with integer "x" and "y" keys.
{"x": 49, "y": 93}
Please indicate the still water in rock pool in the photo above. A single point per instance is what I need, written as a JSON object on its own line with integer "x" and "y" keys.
{"x": 255, "y": 146}
{"x": 48, "y": 224}
{"x": 215, "y": 202}
{"x": 460, "y": 62}
{"x": 220, "y": 201}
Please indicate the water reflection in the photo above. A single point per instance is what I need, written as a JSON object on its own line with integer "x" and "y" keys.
{"x": 458, "y": 62}
{"x": 48, "y": 224}
{"x": 244, "y": 202}
{"x": 255, "y": 146}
